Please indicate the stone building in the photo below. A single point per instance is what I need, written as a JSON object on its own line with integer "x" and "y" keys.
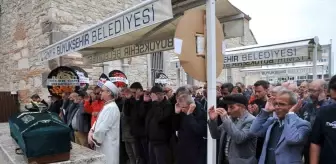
{"x": 28, "y": 26}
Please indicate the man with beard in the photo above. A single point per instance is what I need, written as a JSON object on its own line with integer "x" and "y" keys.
{"x": 261, "y": 89}
{"x": 133, "y": 121}
{"x": 106, "y": 131}
{"x": 312, "y": 105}
{"x": 323, "y": 138}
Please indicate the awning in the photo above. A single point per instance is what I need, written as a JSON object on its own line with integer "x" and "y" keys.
{"x": 257, "y": 55}
{"x": 145, "y": 28}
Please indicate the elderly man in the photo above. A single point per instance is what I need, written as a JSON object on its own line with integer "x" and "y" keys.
{"x": 285, "y": 133}
{"x": 237, "y": 146}
{"x": 105, "y": 132}
{"x": 312, "y": 105}
{"x": 190, "y": 123}
{"x": 323, "y": 139}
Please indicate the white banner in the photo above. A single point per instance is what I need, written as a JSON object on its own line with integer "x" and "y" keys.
{"x": 131, "y": 51}
{"x": 267, "y": 62}
{"x": 120, "y": 24}
{"x": 118, "y": 79}
{"x": 267, "y": 55}
{"x": 59, "y": 82}
{"x": 162, "y": 81}
{"x": 82, "y": 78}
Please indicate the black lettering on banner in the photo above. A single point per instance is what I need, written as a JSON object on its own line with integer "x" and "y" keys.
{"x": 100, "y": 34}
{"x": 261, "y": 55}
{"x": 146, "y": 17}
{"x": 290, "y": 52}
{"x": 104, "y": 32}
{"x": 126, "y": 51}
{"x": 282, "y": 53}
{"x": 276, "y": 53}
{"x": 94, "y": 36}
{"x": 118, "y": 54}
{"x": 141, "y": 48}
{"x": 86, "y": 39}
{"x": 117, "y": 29}
{"x": 244, "y": 57}
{"x": 129, "y": 21}
{"x": 111, "y": 29}
{"x": 153, "y": 12}
{"x": 171, "y": 43}
{"x": 136, "y": 19}
{"x": 58, "y": 49}
{"x": 152, "y": 46}
{"x": 267, "y": 55}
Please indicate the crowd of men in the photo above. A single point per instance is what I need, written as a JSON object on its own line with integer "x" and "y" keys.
{"x": 262, "y": 123}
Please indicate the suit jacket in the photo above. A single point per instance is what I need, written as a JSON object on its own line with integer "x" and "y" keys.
{"x": 292, "y": 140}
{"x": 83, "y": 119}
{"x": 243, "y": 145}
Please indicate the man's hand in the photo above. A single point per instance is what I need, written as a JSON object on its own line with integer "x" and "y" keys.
{"x": 191, "y": 109}
{"x": 95, "y": 114}
{"x": 269, "y": 105}
{"x": 253, "y": 108}
{"x": 221, "y": 112}
{"x": 297, "y": 106}
{"x": 147, "y": 98}
{"x": 212, "y": 113}
{"x": 177, "y": 108}
{"x": 90, "y": 138}
{"x": 154, "y": 97}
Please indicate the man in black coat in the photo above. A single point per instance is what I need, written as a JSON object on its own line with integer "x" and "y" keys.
{"x": 159, "y": 127}
{"x": 191, "y": 125}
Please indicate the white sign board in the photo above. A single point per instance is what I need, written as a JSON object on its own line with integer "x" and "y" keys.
{"x": 120, "y": 24}
{"x": 58, "y": 82}
{"x": 131, "y": 51}
{"x": 266, "y": 55}
{"x": 267, "y": 62}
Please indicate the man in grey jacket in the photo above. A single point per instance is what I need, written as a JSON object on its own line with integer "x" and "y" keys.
{"x": 237, "y": 145}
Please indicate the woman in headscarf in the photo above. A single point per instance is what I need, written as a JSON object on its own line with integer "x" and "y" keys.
{"x": 105, "y": 132}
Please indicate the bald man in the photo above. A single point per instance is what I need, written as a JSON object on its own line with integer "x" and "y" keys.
{"x": 303, "y": 90}
{"x": 312, "y": 104}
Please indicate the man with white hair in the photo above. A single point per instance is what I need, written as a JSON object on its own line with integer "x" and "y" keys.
{"x": 104, "y": 134}
{"x": 311, "y": 106}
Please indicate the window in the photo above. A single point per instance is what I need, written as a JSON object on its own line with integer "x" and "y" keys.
{"x": 157, "y": 64}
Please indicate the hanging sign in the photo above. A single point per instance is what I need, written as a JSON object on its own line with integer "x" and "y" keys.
{"x": 121, "y": 24}
{"x": 118, "y": 78}
{"x": 130, "y": 51}
{"x": 161, "y": 78}
{"x": 62, "y": 79}
{"x": 83, "y": 78}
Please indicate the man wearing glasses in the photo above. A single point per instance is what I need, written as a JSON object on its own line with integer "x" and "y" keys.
{"x": 285, "y": 133}
{"x": 311, "y": 106}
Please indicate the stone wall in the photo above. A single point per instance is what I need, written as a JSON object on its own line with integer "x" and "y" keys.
{"x": 21, "y": 36}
